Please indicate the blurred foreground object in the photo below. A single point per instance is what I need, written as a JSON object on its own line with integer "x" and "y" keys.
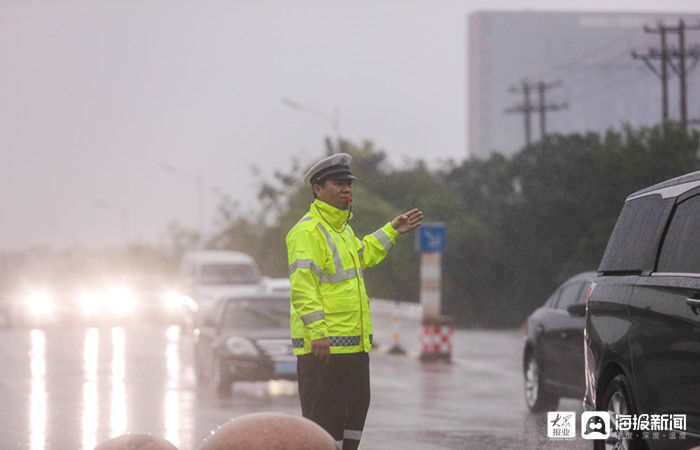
{"x": 263, "y": 431}
{"x": 135, "y": 442}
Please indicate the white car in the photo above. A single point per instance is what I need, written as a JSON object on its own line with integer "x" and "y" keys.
{"x": 210, "y": 275}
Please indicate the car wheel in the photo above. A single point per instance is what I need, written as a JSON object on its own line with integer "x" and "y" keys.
{"x": 537, "y": 397}
{"x": 616, "y": 400}
{"x": 222, "y": 379}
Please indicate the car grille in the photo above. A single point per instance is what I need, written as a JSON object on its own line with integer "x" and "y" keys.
{"x": 277, "y": 349}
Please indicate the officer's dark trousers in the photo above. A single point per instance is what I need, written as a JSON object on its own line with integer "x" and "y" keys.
{"x": 335, "y": 395}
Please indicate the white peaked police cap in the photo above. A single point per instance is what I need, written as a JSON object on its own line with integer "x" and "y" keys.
{"x": 336, "y": 166}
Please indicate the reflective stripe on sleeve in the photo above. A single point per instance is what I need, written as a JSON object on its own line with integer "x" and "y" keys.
{"x": 383, "y": 239}
{"x": 355, "y": 435}
{"x": 303, "y": 219}
{"x": 297, "y": 342}
{"x": 313, "y": 317}
{"x": 324, "y": 277}
{"x": 305, "y": 264}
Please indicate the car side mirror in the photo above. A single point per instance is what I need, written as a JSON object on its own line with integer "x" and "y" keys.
{"x": 577, "y": 309}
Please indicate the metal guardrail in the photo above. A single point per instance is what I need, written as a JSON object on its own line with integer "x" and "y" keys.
{"x": 388, "y": 308}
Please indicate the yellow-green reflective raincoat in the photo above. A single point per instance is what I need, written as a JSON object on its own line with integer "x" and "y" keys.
{"x": 328, "y": 297}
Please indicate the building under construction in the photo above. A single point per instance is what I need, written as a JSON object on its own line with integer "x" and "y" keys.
{"x": 535, "y": 73}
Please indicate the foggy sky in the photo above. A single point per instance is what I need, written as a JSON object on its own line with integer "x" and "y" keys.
{"x": 95, "y": 97}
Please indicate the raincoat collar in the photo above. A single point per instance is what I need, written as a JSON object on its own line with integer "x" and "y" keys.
{"x": 330, "y": 214}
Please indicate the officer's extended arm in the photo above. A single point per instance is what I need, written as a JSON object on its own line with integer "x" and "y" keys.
{"x": 374, "y": 247}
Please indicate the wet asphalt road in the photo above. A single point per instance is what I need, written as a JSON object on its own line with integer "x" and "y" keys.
{"x": 69, "y": 388}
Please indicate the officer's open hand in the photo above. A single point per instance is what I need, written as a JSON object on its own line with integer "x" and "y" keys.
{"x": 407, "y": 221}
{"x": 322, "y": 349}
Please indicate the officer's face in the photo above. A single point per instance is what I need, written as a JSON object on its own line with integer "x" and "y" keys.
{"x": 334, "y": 192}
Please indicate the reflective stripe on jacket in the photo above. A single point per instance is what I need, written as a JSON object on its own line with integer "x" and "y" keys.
{"x": 328, "y": 296}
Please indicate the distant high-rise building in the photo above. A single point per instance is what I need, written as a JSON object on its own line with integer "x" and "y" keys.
{"x": 585, "y": 60}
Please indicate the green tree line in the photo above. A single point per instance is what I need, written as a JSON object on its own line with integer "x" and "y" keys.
{"x": 516, "y": 227}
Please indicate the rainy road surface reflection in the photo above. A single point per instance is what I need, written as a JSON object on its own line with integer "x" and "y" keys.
{"x": 90, "y": 398}
{"x": 39, "y": 400}
{"x": 67, "y": 388}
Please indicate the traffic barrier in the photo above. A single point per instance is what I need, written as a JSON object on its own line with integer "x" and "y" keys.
{"x": 436, "y": 339}
{"x": 394, "y": 316}
{"x": 396, "y": 348}
{"x": 387, "y": 308}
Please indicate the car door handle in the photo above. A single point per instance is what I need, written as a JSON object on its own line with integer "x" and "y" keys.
{"x": 694, "y": 303}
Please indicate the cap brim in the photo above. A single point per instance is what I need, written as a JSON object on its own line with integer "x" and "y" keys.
{"x": 347, "y": 176}
{"x": 335, "y": 173}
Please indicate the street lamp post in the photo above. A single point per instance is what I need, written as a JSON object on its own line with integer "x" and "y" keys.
{"x": 199, "y": 183}
{"x": 333, "y": 119}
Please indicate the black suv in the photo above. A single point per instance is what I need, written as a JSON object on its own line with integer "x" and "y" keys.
{"x": 553, "y": 350}
{"x": 642, "y": 334}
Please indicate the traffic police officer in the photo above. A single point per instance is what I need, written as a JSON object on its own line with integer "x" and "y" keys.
{"x": 330, "y": 321}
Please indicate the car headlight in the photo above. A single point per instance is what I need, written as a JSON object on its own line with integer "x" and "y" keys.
{"x": 120, "y": 300}
{"x": 239, "y": 346}
{"x": 39, "y": 304}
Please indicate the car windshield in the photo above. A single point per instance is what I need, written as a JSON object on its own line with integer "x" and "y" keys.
{"x": 257, "y": 313}
{"x": 228, "y": 274}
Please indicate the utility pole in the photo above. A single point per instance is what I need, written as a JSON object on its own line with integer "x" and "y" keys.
{"x": 667, "y": 56}
{"x": 543, "y": 106}
{"x": 681, "y": 75}
{"x": 694, "y": 54}
{"x": 527, "y": 107}
{"x": 663, "y": 73}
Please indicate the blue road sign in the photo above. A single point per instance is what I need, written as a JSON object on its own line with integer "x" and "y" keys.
{"x": 431, "y": 237}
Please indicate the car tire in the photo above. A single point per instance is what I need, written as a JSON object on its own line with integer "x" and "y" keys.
{"x": 222, "y": 379}
{"x": 617, "y": 400}
{"x": 537, "y": 397}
